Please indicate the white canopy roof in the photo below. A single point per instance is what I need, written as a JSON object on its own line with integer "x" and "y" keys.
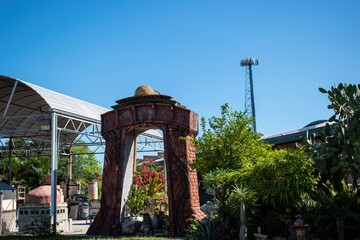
{"x": 23, "y": 104}
{"x": 65, "y": 104}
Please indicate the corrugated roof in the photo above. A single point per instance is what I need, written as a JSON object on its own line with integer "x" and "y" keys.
{"x": 70, "y": 105}
{"x": 35, "y": 101}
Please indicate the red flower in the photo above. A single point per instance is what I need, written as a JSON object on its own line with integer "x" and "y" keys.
{"x": 137, "y": 181}
{"x": 146, "y": 176}
{"x": 161, "y": 176}
{"x": 145, "y": 164}
{"x": 151, "y": 160}
{"x": 152, "y": 173}
{"x": 161, "y": 168}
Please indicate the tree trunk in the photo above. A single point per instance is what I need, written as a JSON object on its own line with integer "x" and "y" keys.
{"x": 340, "y": 228}
{"x": 243, "y": 229}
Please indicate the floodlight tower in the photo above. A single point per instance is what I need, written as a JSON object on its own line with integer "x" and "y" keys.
{"x": 249, "y": 89}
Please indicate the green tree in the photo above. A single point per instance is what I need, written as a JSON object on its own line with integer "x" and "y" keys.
{"x": 337, "y": 158}
{"x": 29, "y": 168}
{"x": 230, "y": 153}
{"x": 281, "y": 178}
{"x": 227, "y": 142}
{"x": 85, "y": 165}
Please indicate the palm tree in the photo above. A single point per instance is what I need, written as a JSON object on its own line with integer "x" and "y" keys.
{"x": 242, "y": 196}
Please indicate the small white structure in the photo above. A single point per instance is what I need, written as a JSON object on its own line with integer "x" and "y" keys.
{"x": 7, "y": 208}
{"x": 37, "y": 207}
{"x": 28, "y": 212}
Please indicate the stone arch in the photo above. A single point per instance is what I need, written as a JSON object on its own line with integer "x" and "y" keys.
{"x": 120, "y": 128}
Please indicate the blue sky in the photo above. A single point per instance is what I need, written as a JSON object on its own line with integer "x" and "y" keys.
{"x": 101, "y": 51}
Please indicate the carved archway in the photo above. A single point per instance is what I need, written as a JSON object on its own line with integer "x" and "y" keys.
{"x": 120, "y": 128}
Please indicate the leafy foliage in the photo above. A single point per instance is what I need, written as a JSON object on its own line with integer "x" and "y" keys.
{"x": 136, "y": 200}
{"x": 29, "y": 169}
{"x": 228, "y": 142}
{"x": 85, "y": 167}
{"x": 41, "y": 226}
{"x": 281, "y": 177}
{"x": 240, "y": 194}
{"x": 219, "y": 183}
{"x": 339, "y": 152}
{"x": 26, "y": 170}
{"x": 236, "y": 164}
{"x": 337, "y": 159}
{"x": 147, "y": 188}
{"x": 208, "y": 228}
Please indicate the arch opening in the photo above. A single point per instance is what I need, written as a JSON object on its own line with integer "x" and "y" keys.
{"x": 146, "y": 193}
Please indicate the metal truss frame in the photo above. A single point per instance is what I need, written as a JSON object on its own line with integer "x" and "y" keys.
{"x": 54, "y": 130}
{"x": 55, "y": 140}
{"x": 88, "y": 134}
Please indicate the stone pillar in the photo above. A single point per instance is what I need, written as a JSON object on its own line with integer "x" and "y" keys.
{"x": 106, "y": 221}
{"x": 182, "y": 180}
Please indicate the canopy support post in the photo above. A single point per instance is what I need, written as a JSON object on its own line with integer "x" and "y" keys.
{"x": 54, "y": 168}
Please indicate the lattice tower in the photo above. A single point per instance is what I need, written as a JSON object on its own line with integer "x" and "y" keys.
{"x": 249, "y": 88}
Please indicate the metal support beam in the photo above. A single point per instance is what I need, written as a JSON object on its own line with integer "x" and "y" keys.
{"x": 10, "y": 161}
{"x": 54, "y": 167}
{"x": 10, "y": 98}
{"x": 70, "y": 166}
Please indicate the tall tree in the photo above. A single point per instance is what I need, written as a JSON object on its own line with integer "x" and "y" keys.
{"x": 227, "y": 141}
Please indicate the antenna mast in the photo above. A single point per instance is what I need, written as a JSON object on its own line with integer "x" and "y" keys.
{"x": 249, "y": 89}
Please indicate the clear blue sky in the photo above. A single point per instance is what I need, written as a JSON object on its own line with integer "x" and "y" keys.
{"x": 101, "y": 51}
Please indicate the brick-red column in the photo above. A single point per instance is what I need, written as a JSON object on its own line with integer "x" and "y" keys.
{"x": 193, "y": 182}
{"x": 182, "y": 181}
{"x": 107, "y": 220}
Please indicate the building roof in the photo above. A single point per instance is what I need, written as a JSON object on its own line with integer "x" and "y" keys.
{"x": 6, "y": 187}
{"x": 23, "y": 105}
{"x": 297, "y": 135}
{"x": 30, "y": 98}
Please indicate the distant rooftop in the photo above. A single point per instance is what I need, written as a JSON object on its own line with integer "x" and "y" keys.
{"x": 297, "y": 135}
{"x": 6, "y": 187}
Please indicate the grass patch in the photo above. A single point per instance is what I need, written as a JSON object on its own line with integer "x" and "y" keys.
{"x": 60, "y": 237}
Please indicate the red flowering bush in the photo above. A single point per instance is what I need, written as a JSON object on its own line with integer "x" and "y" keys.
{"x": 148, "y": 187}
{"x": 149, "y": 176}
{"x": 98, "y": 177}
